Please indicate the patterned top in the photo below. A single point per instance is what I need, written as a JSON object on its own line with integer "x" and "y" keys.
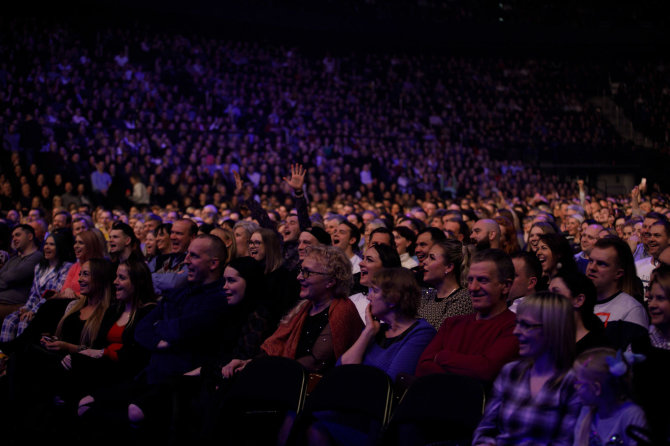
{"x": 514, "y": 417}
{"x": 435, "y": 310}
{"x": 45, "y": 279}
{"x": 658, "y": 339}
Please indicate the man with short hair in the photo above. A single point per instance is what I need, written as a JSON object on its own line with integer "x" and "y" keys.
{"x": 62, "y": 220}
{"x": 479, "y": 344}
{"x": 184, "y": 330}
{"x": 486, "y": 234}
{"x": 589, "y": 237}
{"x": 80, "y": 225}
{"x": 123, "y": 243}
{"x": 16, "y": 275}
{"x": 346, "y": 238}
{"x": 424, "y": 241}
{"x": 332, "y": 222}
{"x": 612, "y": 271}
{"x": 457, "y": 227}
{"x": 527, "y": 275}
{"x": 172, "y": 274}
{"x": 40, "y": 227}
{"x": 657, "y": 240}
{"x": 649, "y": 219}
{"x": 382, "y": 236}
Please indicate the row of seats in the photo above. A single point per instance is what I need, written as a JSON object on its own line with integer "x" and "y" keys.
{"x": 364, "y": 398}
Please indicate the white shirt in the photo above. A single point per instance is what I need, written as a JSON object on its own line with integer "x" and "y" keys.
{"x": 355, "y": 264}
{"x": 644, "y": 268}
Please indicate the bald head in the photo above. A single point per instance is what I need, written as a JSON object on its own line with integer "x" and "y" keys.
{"x": 486, "y": 234}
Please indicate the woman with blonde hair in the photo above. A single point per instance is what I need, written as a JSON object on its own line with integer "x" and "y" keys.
{"x": 324, "y": 324}
{"x": 443, "y": 270}
{"x": 534, "y": 400}
{"x": 603, "y": 379}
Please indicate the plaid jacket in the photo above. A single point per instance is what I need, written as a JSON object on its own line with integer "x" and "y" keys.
{"x": 514, "y": 417}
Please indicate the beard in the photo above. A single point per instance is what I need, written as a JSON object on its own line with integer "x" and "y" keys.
{"x": 483, "y": 244}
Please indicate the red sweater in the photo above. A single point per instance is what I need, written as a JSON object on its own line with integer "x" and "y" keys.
{"x": 471, "y": 347}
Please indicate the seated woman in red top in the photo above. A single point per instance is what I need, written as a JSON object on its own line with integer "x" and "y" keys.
{"x": 115, "y": 355}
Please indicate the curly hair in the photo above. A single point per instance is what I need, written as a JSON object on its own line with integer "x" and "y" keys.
{"x": 336, "y": 265}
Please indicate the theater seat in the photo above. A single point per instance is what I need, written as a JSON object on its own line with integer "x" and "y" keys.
{"x": 440, "y": 408}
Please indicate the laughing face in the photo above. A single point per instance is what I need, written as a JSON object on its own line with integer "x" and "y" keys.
{"x": 291, "y": 228}
{"x": 659, "y": 306}
{"x": 49, "y": 249}
{"x": 235, "y": 286}
{"x": 85, "y": 278}
{"x": 546, "y": 258}
{"x": 79, "y": 248}
{"x": 370, "y": 264}
{"x": 257, "y": 246}
{"x": 122, "y": 284}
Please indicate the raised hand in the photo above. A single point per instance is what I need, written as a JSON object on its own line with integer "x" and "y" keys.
{"x": 297, "y": 178}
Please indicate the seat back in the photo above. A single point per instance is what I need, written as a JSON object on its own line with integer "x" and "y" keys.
{"x": 354, "y": 388}
{"x": 269, "y": 383}
{"x": 435, "y": 408}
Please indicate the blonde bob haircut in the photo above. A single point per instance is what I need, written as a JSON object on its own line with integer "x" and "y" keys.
{"x": 557, "y": 317}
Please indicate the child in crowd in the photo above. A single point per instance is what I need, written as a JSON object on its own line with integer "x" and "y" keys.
{"x": 603, "y": 378}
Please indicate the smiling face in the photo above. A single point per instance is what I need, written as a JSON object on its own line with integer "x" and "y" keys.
{"x": 79, "y": 248}
{"x": 370, "y": 264}
{"x": 150, "y": 244}
{"x": 657, "y": 240}
{"x": 435, "y": 266}
{"x": 85, "y": 278}
{"x": 180, "y": 236}
{"x": 528, "y": 331}
{"x": 291, "y": 228}
{"x": 235, "y": 286}
{"x": 659, "y": 307}
{"x": 163, "y": 244}
{"x": 318, "y": 286}
{"x": 118, "y": 241}
{"x": 49, "y": 249}
{"x": 257, "y": 246}
{"x": 123, "y": 285}
{"x": 546, "y": 258}
{"x": 342, "y": 237}
{"x": 487, "y": 292}
{"x": 423, "y": 244}
{"x": 199, "y": 262}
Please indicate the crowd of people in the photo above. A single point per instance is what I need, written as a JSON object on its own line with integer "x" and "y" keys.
{"x": 506, "y": 295}
{"x": 155, "y": 239}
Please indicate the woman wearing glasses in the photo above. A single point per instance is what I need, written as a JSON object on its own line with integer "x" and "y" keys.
{"x": 324, "y": 324}
{"x": 534, "y": 400}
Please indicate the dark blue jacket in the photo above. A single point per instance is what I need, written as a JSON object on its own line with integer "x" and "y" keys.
{"x": 189, "y": 319}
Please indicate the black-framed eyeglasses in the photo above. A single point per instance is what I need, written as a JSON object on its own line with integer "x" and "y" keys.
{"x": 306, "y": 273}
{"x": 526, "y": 326}
{"x": 254, "y": 243}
